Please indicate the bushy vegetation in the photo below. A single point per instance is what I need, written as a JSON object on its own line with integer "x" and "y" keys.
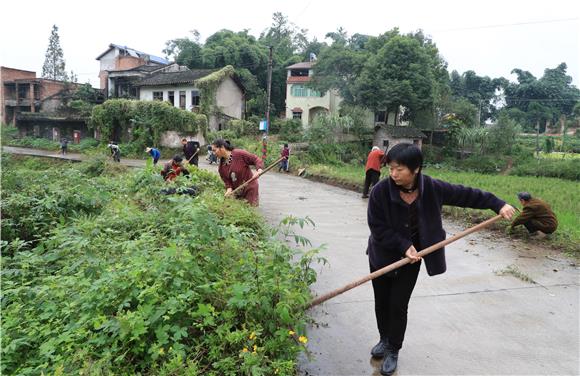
{"x": 104, "y": 275}
{"x": 146, "y": 119}
{"x": 554, "y": 168}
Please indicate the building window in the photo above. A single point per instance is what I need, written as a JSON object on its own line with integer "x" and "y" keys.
{"x": 296, "y": 115}
{"x": 303, "y": 91}
{"x": 298, "y": 91}
{"x": 23, "y": 91}
{"x": 299, "y": 73}
{"x": 386, "y": 144}
{"x": 182, "y": 100}
{"x": 195, "y": 98}
{"x": 158, "y": 96}
{"x": 171, "y": 97}
{"x": 380, "y": 116}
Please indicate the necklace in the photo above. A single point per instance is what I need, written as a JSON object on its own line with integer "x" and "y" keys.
{"x": 407, "y": 190}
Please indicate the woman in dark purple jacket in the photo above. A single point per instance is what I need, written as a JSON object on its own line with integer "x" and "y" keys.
{"x": 404, "y": 215}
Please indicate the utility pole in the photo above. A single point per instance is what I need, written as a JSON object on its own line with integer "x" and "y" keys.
{"x": 478, "y": 119}
{"x": 265, "y": 136}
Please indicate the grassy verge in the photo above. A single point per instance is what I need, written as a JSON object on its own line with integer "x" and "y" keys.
{"x": 102, "y": 274}
{"x": 562, "y": 195}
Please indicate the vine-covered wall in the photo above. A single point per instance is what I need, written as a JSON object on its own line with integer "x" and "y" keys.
{"x": 143, "y": 121}
{"x": 209, "y": 85}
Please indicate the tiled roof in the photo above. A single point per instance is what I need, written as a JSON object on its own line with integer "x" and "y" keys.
{"x": 172, "y": 78}
{"x": 135, "y": 53}
{"x": 302, "y": 65}
{"x": 401, "y": 132}
{"x": 141, "y": 68}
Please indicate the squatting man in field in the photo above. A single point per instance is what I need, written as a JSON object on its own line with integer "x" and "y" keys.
{"x": 537, "y": 216}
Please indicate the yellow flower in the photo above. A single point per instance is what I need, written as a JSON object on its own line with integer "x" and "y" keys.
{"x": 253, "y": 335}
{"x": 302, "y": 339}
{"x": 245, "y": 349}
{"x": 276, "y": 371}
{"x": 255, "y": 348}
{"x": 291, "y": 332}
{"x": 161, "y": 351}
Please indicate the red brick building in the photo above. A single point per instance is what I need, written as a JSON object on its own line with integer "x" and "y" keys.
{"x": 32, "y": 104}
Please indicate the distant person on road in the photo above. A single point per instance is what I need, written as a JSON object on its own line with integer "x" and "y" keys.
{"x": 372, "y": 169}
{"x": 285, "y": 153}
{"x": 191, "y": 151}
{"x": 174, "y": 168}
{"x": 537, "y": 216}
{"x": 404, "y": 215}
{"x": 115, "y": 151}
{"x": 63, "y": 145}
{"x": 234, "y": 169}
{"x": 155, "y": 154}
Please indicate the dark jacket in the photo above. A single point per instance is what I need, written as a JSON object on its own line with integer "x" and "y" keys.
{"x": 189, "y": 150}
{"x": 540, "y": 214}
{"x": 388, "y": 218}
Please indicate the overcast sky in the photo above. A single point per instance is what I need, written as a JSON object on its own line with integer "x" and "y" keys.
{"x": 491, "y": 37}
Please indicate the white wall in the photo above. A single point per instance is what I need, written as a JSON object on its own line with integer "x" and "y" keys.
{"x": 172, "y": 139}
{"x": 146, "y": 94}
{"x": 230, "y": 98}
{"x": 108, "y": 60}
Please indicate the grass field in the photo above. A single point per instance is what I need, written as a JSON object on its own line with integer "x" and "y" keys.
{"x": 562, "y": 195}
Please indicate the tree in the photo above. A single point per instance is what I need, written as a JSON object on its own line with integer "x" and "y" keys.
{"x": 544, "y": 100}
{"x": 538, "y": 113}
{"x": 54, "y": 64}
{"x": 479, "y": 91}
{"x": 185, "y": 51}
{"x": 384, "y": 72}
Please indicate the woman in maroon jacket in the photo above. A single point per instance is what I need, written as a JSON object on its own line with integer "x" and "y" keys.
{"x": 234, "y": 169}
{"x": 404, "y": 215}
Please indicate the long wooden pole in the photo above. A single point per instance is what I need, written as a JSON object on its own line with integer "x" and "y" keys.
{"x": 194, "y": 154}
{"x": 257, "y": 176}
{"x": 402, "y": 262}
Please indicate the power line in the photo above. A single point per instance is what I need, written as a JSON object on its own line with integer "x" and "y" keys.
{"x": 541, "y": 99}
{"x": 507, "y": 25}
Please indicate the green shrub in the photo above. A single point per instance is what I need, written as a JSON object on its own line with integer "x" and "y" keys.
{"x": 242, "y": 128}
{"x": 146, "y": 119}
{"x": 289, "y": 130}
{"x": 130, "y": 281}
{"x": 564, "y": 169}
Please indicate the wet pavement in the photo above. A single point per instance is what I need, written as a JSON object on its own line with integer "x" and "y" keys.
{"x": 472, "y": 320}
{"x": 504, "y": 307}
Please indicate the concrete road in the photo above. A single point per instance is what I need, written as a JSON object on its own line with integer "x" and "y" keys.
{"x": 68, "y": 156}
{"x": 469, "y": 321}
{"x": 503, "y": 307}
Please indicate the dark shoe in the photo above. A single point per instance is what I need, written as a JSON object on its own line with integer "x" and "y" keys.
{"x": 365, "y": 196}
{"x": 378, "y": 350}
{"x": 390, "y": 363}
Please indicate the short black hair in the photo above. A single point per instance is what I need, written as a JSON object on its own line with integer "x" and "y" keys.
{"x": 524, "y": 196}
{"x": 406, "y": 154}
{"x": 220, "y": 142}
{"x": 177, "y": 158}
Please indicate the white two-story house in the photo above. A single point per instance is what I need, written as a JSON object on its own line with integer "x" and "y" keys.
{"x": 304, "y": 103}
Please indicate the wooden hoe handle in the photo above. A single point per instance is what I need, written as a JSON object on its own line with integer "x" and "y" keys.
{"x": 402, "y": 262}
{"x": 257, "y": 176}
